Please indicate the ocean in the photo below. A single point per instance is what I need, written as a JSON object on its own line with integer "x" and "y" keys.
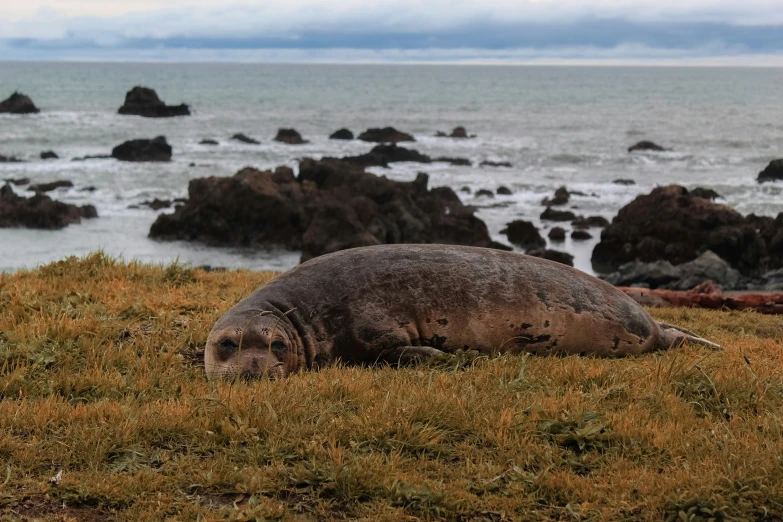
{"x": 556, "y": 125}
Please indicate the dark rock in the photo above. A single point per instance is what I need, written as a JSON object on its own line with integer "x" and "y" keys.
{"x": 484, "y": 193}
{"x": 18, "y": 181}
{"x": 662, "y": 274}
{"x": 48, "y": 187}
{"x": 706, "y": 193}
{"x": 342, "y": 134}
{"x": 332, "y": 205}
{"x": 466, "y": 190}
{"x": 289, "y": 136}
{"x": 581, "y": 235}
{"x": 18, "y": 103}
{"x": 9, "y": 159}
{"x": 191, "y": 164}
{"x": 459, "y": 162}
{"x": 95, "y": 156}
{"x": 772, "y": 172}
{"x": 624, "y": 182}
{"x": 244, "y": 139}
{"x": 646, "y": 145}
{"x": 552, "y": 255}
{"x": 158, "y": 204}
{"x": 39, "y": 211}
{"x": 141, "y": 101}
{"x": 495, "y": 164}
{"x": 457, "y": 132}
{"x": 588, "y": 222}
{"x": 49, "y": 155}
{"x": 156, "y": 149}
{"x": 523, "y": 234}
{"x": 551, "y": 214}
{"x": 561, "y": 197}
{"x": 208, "y": 142}
{"x": 670, "y": 224}
{"x": 504, "y": 191}
{"x": 383, "y": 154}
{"x": 501, "y": 246}
{"x": 385, "y": 135}
{"x": 557, "y": 234}
{"x": 88, "y": 188}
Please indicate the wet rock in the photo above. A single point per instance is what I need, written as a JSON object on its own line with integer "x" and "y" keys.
{"x": 557, "y": 234}
{"x": 17, "y": 181}
{"x": 504, "y": 191}
{"x": 91, "y": 157}
{"x": 208, "y": 142}
{"x": 551, "y": 214}
{"x": 524, "y": 234}
{"x": 495, "y": 164}
{"x": 289, "y": 136}
{"x": 385, "y": 135}
{"x": 581, "y": 235}
{"x": 39, "y": 211}
{"x": 18, "y": 103}
{"x": 342, "y": 134}
{"x": 591, "y": 221}
{"x": 48, "y": 187}
{"x": 706, "y": 193}
{"x": 552, "y": 255}
{"x": 772, "y": 172}
{"x": 561, "y": 198}
{"x": 484, "y": 193}
{"x": 49, "y": 155}
{"x": 142, "y": 101}
{"x": 156, "y": 149}
{"x": 466, "y": 190}
{"x": 671, "y": 224}
{"x": 457, "y": 132}
{"x": 9, "y": 159}
{"x": 244, "y": 139}
{"x": 383, "y": 154}
{"x": 646, "y": 145}
{"x": 458, "y": 162}
{"x": 624, "y": 182}
{"x": 157, "y": 204}
{"x": 685, "y": 276}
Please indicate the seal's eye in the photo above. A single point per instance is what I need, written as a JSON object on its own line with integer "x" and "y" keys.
{"x": 278, "y": 346}
{"x": 227, "y": 344}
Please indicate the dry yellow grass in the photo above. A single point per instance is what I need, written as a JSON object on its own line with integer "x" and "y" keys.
{"x": 99, "y": 379}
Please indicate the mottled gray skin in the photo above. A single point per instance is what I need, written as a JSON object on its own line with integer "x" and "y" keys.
{"x": 400, "y": 303}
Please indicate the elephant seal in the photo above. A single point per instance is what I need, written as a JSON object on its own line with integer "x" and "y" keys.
{"x": 401, "y": 303}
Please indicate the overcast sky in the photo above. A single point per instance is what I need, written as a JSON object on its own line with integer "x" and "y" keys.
{"x": 693, "y": 31}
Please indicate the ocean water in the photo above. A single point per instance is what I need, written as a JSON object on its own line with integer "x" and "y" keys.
{"x": 557, "y": 126}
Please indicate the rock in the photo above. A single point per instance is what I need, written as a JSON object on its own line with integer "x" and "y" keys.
{"x": 557, "y": 234}
{"x": 457, "y": 132}
{"x": 88, "y": 188}
{"x": 383, "y": 154}
{"x": 561, "y": 197}
{"x": 385, "y": 135}
{"x": 9, "y": 159}
{"x": 141, "y": 101}
{"x": 48, "y": 187}
{"x": 157, "y": 204}
{"x": 501, "y": 246}
{"x": 49, "y": 155}
{"x": 495, "y": 164}
{"x": 18, "y": 181}
{"x": 581, "y": 235}
{"x": 466, "y": 190}
{"x": 646, "y": 145}
{"x": 208, "y": 142}
{"x": 95, "y": 156}
{"x": 459, "y": 162}
{"x": 772, "y": 172}
{"x": 289, "y": 136}
{"x": 244, "y": 139}
{"x": 331, "y": 205}
{"x": 670, "y": 224}
{"x": 624, "y": 182}
{"x": 552, "y": 255}
{"x": 39, "y": 211}
{"x": 484, "y": 193}
{"x": 156, "y": 149}
{"x": 706, "y": 193}
{"x": 504, "y": 191}
{"x": 18, "y": 103}
{"x": 523, "y": 234}
{"x": 551, "y": 214}
{"x": 342, "y": 134}
{"x": 588, "y": 222}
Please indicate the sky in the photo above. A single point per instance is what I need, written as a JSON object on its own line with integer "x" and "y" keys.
{"x": 731, "y": 32}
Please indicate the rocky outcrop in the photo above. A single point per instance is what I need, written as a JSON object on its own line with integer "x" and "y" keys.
{"x": 142, "y": 101}
{"x": 646, "y": 145}
{"x": 289, "y": 136}
{"x": 156, "y": 149}
{"x": 706, "y": 193}
{"x": 557, "y": 234}
{"x": 457, "y": 132}
{"x": 18, "y": 103}
{"x": 208, "y": 142}
{"x": 49, "y": 154}
{"x": 623, "y": 182}
{"x": 48, "y": 187}
{"x": 457, "y": 162}
{"x": 552, "y": 255}
{"x": 523, "y": 234}
{"x": 331, "y": 205}
{"x": 484, "y": 193}
{"x": 581, "y": 235}
{"x": 244, "y": 139}
{"x": 342, "y": 134}
{"x": 487, "y": 163}
{"x": 385, "y": 135}
{"x": 671, "y": 224}
{"x": 9, "y": 159}
{"x": 561, "y": 197}
{"x": 504, "y": 191}
{"x": 383, "y": 154}
{"x": 17, "y": 181}
{"x": 39, "y": 211}
{"x": 551, "y": 214}
{"x": 590, "y": 221}
{"x": 772, "y": 172}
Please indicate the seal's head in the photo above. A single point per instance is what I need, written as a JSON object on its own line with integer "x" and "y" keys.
{"x": 249, "y": 345}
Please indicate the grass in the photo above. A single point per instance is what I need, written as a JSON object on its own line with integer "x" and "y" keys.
{"x": 100, "y": 379}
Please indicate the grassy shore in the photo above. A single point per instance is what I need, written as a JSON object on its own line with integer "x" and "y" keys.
{"x": 100, "y": 379}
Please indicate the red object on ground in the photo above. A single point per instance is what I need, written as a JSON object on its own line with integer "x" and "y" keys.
{"x": 707, "y": 295}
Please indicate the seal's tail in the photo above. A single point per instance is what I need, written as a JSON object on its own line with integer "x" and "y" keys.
{"x": 675, "y": 335}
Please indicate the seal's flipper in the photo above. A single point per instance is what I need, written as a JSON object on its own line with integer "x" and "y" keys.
{"x": 674, "y": 335}
{"x": 409, "y": 354}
